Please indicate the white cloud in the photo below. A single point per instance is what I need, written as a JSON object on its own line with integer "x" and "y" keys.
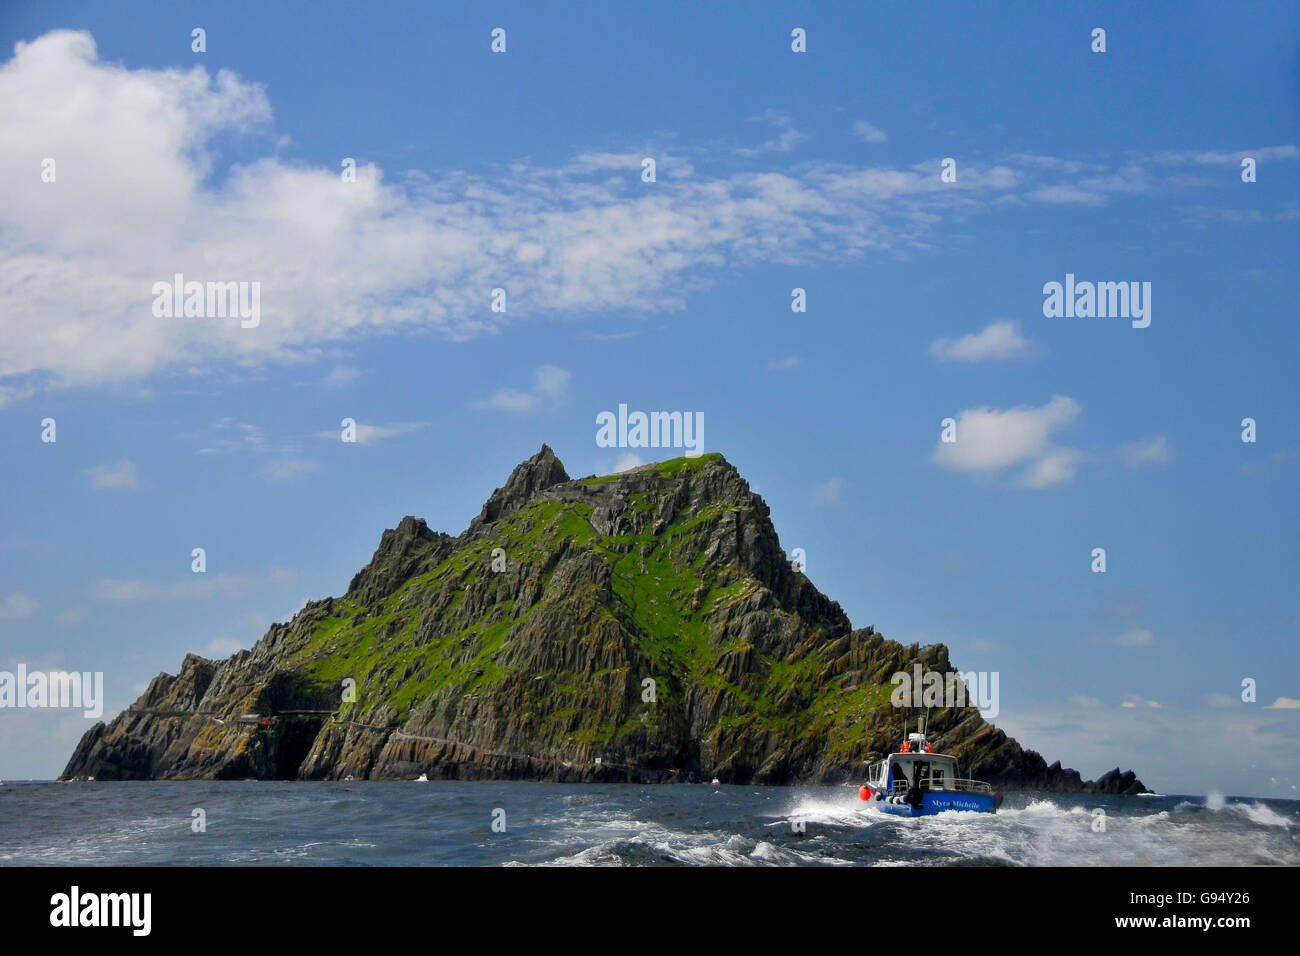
{"x": 1155, "y": 451}
{"x": 549, "y": 384}
{"x": 234, "y": 435}
{"x": 1054, "y": 468}
{"x": 868, "y": 133}
{"x": 997, "y": 340}
{"x": 786, "y": 140}
{"x": 1284, "y": 703}
{"x": 17, "y": 607}
{"x": 373, "y": 434}
{"x": 338, "y": 260}
{"x": 122, "y": 476}
{"x": 990, "y": 440}
{"x": 785, "y": 364}
{"x": 828, "y": 493}
{"x": 1227, "y": 158}
{"x": 134, "y": 203}
{"x": 626, "y": 462}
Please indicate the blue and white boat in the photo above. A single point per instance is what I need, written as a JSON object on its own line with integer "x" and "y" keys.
{"x": 916, "y": 782}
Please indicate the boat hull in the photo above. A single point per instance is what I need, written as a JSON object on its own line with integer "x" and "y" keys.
{"x": 936, "y": 801}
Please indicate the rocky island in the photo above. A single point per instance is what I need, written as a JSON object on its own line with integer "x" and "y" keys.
{"x": 639, "y": 627}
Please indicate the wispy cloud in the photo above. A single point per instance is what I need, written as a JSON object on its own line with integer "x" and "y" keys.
{"x": 121, "y": 476}
{"x": 1133, "y": 702}
{"x": 786, "y": 139}
{"x": 341, "y": 376}
{"x": 374, "y": 434}
{"x": 549, "y": 384}
{"x": 828, "y": 493}
{"x": 231, "y": 435}
{"x": 195, "y": 587}
{"x": 789, "y": 363}
{"x": 1153, "y": 452}
{"x": 1072, "y": 195}
{"x": 1057, "y": 467}
{"x": 997, "y": 340}
{"x": 286, "y": 469}
{"x": 339, "y": 260}
{"x": 73, "y": 617}
{"x": 868, "y": 133}
{"x": 1134, "y": 637}
{"x": 18, "y": 606}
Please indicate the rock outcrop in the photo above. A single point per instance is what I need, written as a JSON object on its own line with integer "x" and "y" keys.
{"x": 645, "y": 626}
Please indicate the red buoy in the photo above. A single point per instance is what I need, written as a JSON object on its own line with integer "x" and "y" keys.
{"x": 864, "y": 792}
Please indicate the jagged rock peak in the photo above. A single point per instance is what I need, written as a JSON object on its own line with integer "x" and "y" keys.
{"x": 536, "y": 474}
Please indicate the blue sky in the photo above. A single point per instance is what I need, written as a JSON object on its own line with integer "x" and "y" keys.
{"x": 775, "y": 170}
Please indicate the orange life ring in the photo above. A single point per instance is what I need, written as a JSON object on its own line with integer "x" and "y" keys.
{"x": 928, "y": 749}
{"x": 907, "y": 748}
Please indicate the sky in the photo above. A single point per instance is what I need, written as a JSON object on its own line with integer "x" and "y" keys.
{"x": 774, "y": 170}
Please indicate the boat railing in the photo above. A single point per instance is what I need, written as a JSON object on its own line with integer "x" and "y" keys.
{"x": 957, "y": 784}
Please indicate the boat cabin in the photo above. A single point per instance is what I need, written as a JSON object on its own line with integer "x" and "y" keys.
{"x": 901, "y": 771}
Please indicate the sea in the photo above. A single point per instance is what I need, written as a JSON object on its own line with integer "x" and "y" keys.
{"x": 512, "y": 823}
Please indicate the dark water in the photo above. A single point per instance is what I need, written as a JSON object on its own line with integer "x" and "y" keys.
{"x": 450, "y": 823}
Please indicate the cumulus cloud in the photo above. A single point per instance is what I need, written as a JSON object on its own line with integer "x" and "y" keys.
{"x": 133, "y": 205}
{"x": 1284, "y": 703}
{"x": 121, "y": 476}
{"x": 992, "y": 440}
{"x": 550, "y": 382}
{"x": 997, "y": 340}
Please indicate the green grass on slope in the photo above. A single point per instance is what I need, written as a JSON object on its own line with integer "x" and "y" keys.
{"x": 664, "y": 584}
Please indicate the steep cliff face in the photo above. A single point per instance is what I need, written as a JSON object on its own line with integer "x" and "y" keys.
{"x": 644, "y": 627}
